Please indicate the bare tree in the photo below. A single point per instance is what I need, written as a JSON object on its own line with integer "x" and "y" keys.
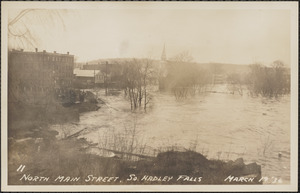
{"x": 234, "y": 83}
{"x": 21, "y": 31}
{"x": 105, "y": 73}
{"x": 137, "y": 75}
{"x": 148, "y": 76}
{"x": 185, "y": 77}
{"x": 184, "y": 56}
{"x": 269, "y": 81}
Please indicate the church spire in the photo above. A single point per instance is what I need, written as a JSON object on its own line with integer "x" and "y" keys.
{"x": 163, "y": 55}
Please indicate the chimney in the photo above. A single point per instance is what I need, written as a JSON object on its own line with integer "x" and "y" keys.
{"x": 44, "y": 51}
{"x": 36, "y": 50}
{"x": 68, "y": 53}
{"x": 54, "y": 52}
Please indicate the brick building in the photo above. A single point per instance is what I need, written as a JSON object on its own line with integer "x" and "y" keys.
{"x": 39, "y": 77}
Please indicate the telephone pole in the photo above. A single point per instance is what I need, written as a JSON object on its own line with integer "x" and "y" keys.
{"x": 106, "y": 78}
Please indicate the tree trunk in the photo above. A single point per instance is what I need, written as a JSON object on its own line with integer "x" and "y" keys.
{"x": 145, "y": 100}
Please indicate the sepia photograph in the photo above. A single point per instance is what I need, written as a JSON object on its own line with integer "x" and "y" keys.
{"x": 149, "y": 96}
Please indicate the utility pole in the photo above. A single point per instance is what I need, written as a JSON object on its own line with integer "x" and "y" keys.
{"x": 94, "y": 77}
{"x": 106, "y": 78}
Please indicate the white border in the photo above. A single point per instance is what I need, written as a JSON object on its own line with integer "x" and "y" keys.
{"x": 292, "y": 6}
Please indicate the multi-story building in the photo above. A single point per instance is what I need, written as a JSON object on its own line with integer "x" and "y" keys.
{"x": 38, "y": 77}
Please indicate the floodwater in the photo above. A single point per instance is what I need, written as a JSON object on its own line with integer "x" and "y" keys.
{"x": 218, "y": 125}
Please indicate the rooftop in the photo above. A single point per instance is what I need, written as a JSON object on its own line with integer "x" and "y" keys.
{"x": 37, "y": 52}
{"x": 85, "y": 73}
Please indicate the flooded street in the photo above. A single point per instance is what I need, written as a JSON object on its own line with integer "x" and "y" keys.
{"x": 218, "y": 125}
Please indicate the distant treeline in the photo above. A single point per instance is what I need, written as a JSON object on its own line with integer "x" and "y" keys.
{"x": 184, "y": 78}
{"x": 269, "y": 81}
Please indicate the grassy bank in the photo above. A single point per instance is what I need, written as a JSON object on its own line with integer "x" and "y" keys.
{"x": 25, "y": 120}
{"x": 62, "y": 160}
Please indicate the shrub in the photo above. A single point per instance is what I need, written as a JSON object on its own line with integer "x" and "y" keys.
{"x": 271, "y": 81}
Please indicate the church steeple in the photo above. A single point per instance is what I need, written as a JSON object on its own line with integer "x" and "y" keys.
{"x": 163, "y": 55}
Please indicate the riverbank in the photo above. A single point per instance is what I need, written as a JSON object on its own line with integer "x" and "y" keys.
{"x": 28, "y": 120}
{"x": 65, "y": 162}
{"x": 29, "y": 127}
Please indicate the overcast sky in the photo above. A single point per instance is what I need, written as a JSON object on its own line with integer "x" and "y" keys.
{"x": 227, "y": 36}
